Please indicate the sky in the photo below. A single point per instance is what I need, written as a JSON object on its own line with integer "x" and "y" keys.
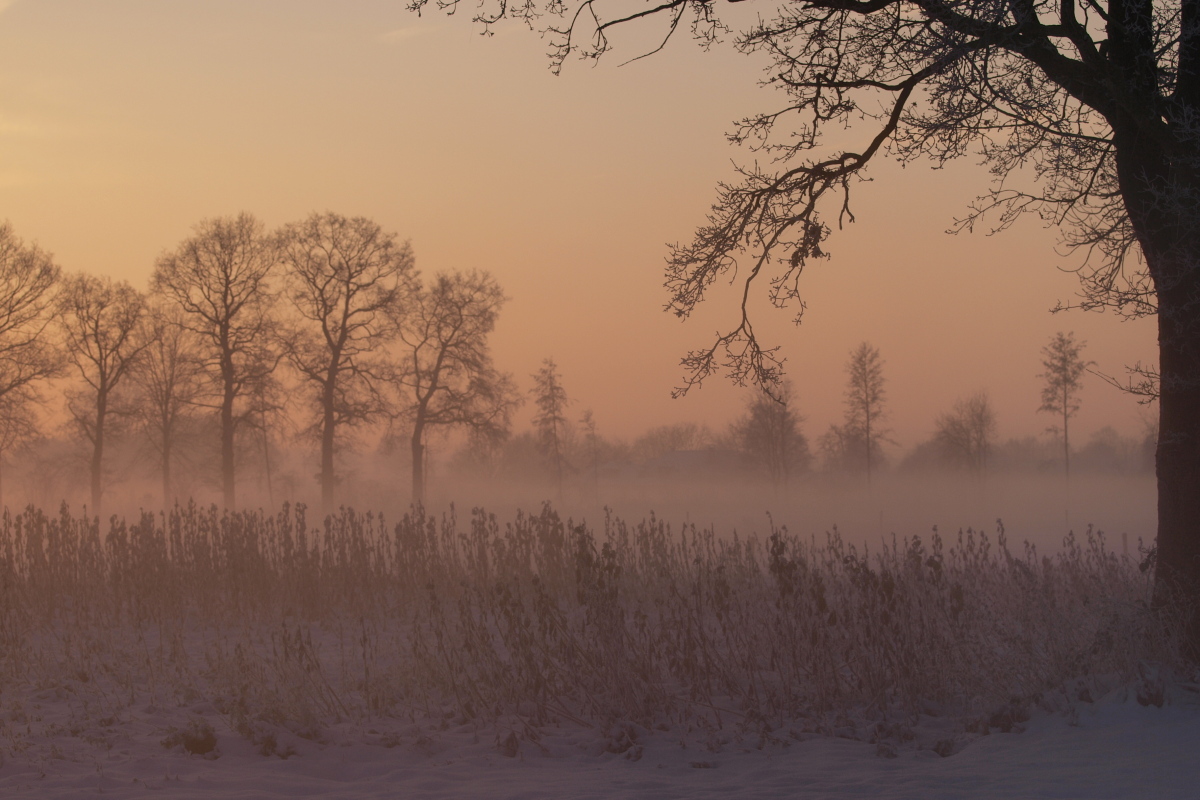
{"x": 123, "y": 123}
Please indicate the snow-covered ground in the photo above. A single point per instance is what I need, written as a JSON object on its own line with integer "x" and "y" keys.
{"x": 243, "y": 656}
{"x": 1114, "y": 748}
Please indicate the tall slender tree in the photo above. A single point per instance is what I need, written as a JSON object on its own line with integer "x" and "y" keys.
{"x": 444, "y": 374}
{"x": 550, "y": 421}
{"x": 1064, "y": 379}
{"x": 220, "y": 278}
{"x": 344, "y": 278}
{"x": 101, "y": 321}
{"x": 858, "y": 442}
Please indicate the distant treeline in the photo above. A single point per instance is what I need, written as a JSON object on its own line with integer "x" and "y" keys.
{"x": 315, "y": 360}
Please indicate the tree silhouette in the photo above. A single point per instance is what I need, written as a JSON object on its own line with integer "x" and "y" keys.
{"x": 857, "y": 444}
{"x": 28, "y": 280}
{"x": 1084, "y": 112}
{"x": 343, "y": 278}
{"x": 769, "y": 433}
{"x": 101, "y": 322}
{"x": 219, "y": 279}
{"x": 170, "y": 376}
{"x": 664, "y": 439}
{"x": 550, "y": 421}
{"x": 1064, "y": 373}
{"x": 965, "y": 433}
{"x": 443, "y": 371}
{"x": 18, "y": 424}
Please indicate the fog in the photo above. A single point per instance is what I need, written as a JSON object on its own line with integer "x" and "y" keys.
{"x": 189, "y": 219}
{"x": 124, "y": 160}
{"x": 1040, "y": 507}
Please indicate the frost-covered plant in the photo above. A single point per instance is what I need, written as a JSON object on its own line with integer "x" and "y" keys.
{"x": 276, "y": 623}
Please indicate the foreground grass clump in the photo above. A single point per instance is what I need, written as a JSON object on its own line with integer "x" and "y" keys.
{"x": 274, "y": 623}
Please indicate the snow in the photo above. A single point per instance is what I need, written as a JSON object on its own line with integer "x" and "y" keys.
{"x": 236, "y": 663}
{"x": 1114, "y": 748}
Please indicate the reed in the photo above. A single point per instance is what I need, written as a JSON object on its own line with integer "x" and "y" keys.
{"x": 538, "y": 621}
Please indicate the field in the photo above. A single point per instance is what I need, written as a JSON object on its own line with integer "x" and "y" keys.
{"x": 272, "y": 654}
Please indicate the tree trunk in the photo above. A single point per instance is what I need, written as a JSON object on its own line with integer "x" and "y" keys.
{"x": 163, "y": 421}
{"x": 1165, "y": 229}
{"x": 98, "y": 451}
{"x": 266, "y": 444}
{"x": 227, "y": 462}
{"x": 867, "y": 419}
{"x": 558, "y": 465}
{"x": 418, "y": 465}
{"x": 1177, "y": 459}
{"x": 1066, "y": 438}
{"x": 166, "y": 470}
{"x": 328, "y": 423}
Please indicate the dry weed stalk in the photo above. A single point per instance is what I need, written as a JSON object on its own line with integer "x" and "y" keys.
{"x": 540, "y": 620}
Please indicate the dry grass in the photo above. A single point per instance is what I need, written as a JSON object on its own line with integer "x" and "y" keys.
{"x": 278, "y": 625}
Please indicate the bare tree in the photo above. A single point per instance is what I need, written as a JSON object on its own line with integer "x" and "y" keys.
{"x": 343, "y": 277}
{"x": 965, "y": 433}
{"x": 858, "y": 442}
{"x": 1064, "y": 376}
{"x": 550, "y": 421}
{"x": 842, "y": 449}
{"x": 170, "y": 376}
{"x": 101, "y": 321}
{"x": 219, "y": 278}
{"x": 444, "y": 372}
{"x": 1085, "y": 112}
{"x": 482, "y": 453}
{"x": 28, "y": 280}
{"x": 18, "y": 424}
{"x": 663, "y": 439}
{"x": 769, "y": 433}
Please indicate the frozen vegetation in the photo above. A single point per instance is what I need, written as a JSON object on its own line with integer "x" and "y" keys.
{"x": 224, "y": 653}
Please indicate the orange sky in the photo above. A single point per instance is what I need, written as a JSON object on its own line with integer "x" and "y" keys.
{"x": 123, "y": 123}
